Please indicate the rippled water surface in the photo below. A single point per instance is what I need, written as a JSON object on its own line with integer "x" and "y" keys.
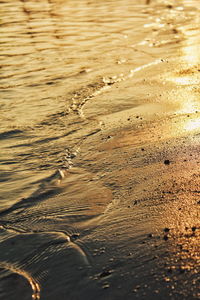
{"x": 95, "y": 96}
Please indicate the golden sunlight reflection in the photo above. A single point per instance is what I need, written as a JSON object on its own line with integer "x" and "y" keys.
{"x": 192, "y": 124}
{"x": 188, "y": 102}
{"x": 186, "y": 75}
{"x": 186, "y": 80}
{"x": 189, "y": 61}
{"x": 182, "y": 220}
{"x": 192, "y": 53}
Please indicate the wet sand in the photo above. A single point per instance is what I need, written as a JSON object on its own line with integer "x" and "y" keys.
{"x": 100, "y": 151}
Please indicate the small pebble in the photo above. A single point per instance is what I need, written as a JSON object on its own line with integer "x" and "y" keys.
{"x": 165, "y": 237}
{"x": 106, "y": 286}
{"x": 105, "y": 274}
{"x": 75, "y": 236}
{"x": 166, "y": 162}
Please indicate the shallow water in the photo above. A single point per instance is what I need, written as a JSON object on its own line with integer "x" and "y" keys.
{"x": 95, "y": 95}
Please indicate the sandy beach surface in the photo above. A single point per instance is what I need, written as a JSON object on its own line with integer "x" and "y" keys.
{"x": 100, "y": 150}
